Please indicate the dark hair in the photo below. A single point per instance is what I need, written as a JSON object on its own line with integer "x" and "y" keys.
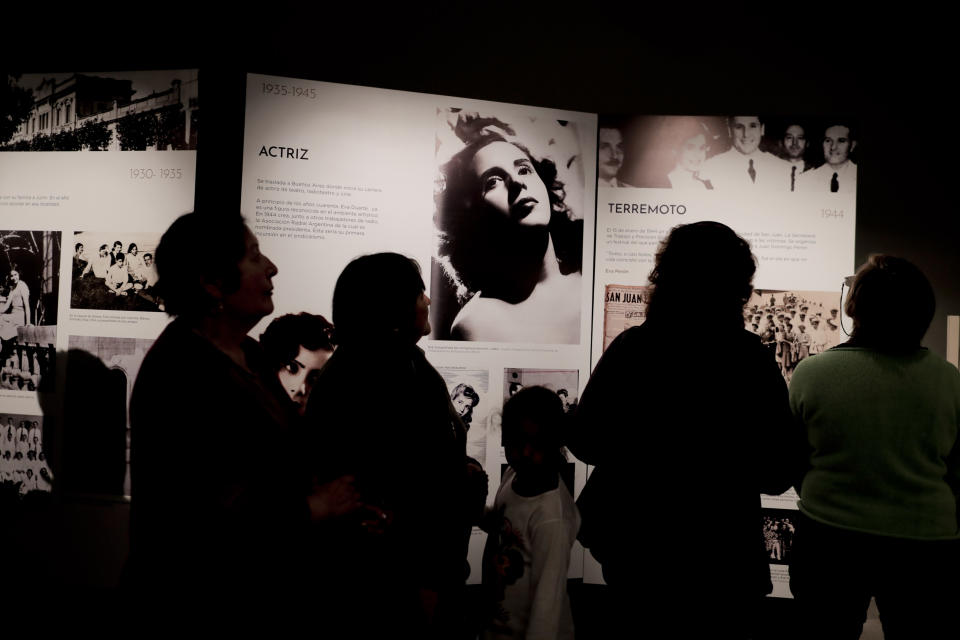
{"x": 117, "y": 242}
{"x": 617, "y": 122}
{"x": 881, "y": 279}
{"x": 539, "y": 405}
{"x": 465, "y": 390}
{"x": 132, "y": 245}
{"x": 147, "y": 255}
{"x": 700, "y": 268}
{"x": 394, "y": 280}
{"x": 199, "y": 249}
{"x": 103, "y": 246}
{"x": 77, "y": 246}
{"x": 466, "y": 236}
{"x": 793, "y": 123}
{"x": 120, "y": 256}
{"x": 851, "y": 132}
{"x": 283, "y": 337}
{"x": 731, "y": 120}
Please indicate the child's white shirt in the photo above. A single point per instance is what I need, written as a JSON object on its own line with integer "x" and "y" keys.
{"x": 526, "y": 562}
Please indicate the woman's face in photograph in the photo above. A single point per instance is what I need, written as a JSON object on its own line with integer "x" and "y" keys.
{"x": 509, "y": 183}
{"x": 462, "y": 404}
{"x": 298, "y": 376}
{"x": 693, "y": 152}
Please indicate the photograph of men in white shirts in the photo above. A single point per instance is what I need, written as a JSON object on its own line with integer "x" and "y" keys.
{"x": 793, "y": 147}
{"x": 838, "y": 174}
{"x": 745, "y": 165}
{"x": 609, "y": 157}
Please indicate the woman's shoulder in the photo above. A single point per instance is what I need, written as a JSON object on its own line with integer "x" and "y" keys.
{"x": 938, "y": 366}
{"x": 481, "y": 319}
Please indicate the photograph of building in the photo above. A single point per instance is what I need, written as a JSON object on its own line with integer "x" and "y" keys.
{"x": 101, "y": 112}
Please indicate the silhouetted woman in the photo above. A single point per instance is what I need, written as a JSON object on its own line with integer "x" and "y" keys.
{"x": 686, "y": 418}
{"x": 879, "y": 500}
{"x": 221, "y": 501}
{"x": 380, "y": 412}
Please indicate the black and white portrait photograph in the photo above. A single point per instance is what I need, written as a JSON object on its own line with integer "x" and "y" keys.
{"x": 470, "y": 394}
{"x": 29, "y": 286}
{"x": 729, "y": 153}
{"x": 122, "y": 111}
{"x": 101, "y": 372}
{"x": 509, "y": 228}
{"x": 563, "y": 382}
{"x": 114, "y": 271}
{"x": 779, "y": 525}
{"x": 794, "y": 325}
{"x": 23, "y": 461}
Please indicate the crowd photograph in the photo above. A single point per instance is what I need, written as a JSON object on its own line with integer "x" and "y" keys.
{"x": 23, "y": 462}
{"x": 778, "y": 532}
{"x": 794, "y": 325}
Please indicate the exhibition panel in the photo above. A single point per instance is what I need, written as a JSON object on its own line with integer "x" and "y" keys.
{"x": 93, "y": 168}
{"x": 786, "y": 184}
{"x": 494, "y": 201}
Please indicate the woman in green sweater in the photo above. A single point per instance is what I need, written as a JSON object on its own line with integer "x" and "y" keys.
{"x": 879, "y": 497}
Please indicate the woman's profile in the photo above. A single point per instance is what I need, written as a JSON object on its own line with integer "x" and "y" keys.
{"x": 222, "y": 502}
{"x": 509, "y": 245}
{"x": 406, "y": 447}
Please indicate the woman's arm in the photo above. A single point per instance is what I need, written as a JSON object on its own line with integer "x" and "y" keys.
{"x": 26, "y": 303}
